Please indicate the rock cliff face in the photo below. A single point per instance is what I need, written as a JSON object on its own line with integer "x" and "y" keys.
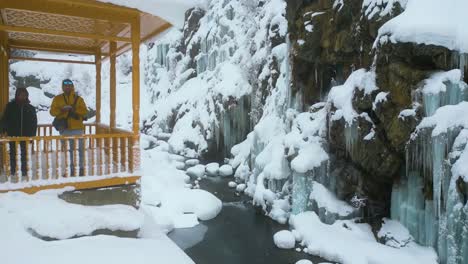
{"x": 330, "y": 40}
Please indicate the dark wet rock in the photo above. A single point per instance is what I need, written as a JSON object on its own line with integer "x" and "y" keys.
{"x": 192, "y": 24}
{"x": 27, "y": 81}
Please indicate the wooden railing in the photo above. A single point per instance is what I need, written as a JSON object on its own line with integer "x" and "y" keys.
{"x": 50, "y": 157}
{"x": 47, "y": 130}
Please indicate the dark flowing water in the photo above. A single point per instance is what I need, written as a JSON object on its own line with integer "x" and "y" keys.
{"x": 239, "y": 234}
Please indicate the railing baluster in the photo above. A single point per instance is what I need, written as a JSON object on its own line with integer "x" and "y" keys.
{"x": 6, "y": 155}
{"x": 100, "y": 151}
{"x": 18, "y": 161}
{"x": 126, "y": 155}
{"x": 67, "y": 158}
{"x": 111, "y": 155}
{"x": 85, "y": 157}
{"x": 75, "y": 157}
{"x": 49, "y": 158}
{"x": 38, "y": 160}
{"x": 118, "y": 153}
{"x": 28, "y": 161}
{"x": 93, "y": 153}
{"x": 103, "y": 156}
{"x": 58, "y": 159}
{"x": 46, "y": 157}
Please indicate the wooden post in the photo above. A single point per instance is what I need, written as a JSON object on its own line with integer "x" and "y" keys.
{"x": 4, "y": 72}
{"x": 136, "y": 76}
{"x": 136, "y": 94}
{"x": 97, "y": 59}
{"x": 113, "y": 85}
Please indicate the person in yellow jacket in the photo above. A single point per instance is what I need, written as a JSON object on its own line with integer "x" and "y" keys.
{"x": 72, "y": 108}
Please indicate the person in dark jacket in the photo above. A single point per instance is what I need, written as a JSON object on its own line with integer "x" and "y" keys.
{"x": 19, "y": 120}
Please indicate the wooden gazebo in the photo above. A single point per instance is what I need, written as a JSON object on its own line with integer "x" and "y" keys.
{"x": 75, "y": 27}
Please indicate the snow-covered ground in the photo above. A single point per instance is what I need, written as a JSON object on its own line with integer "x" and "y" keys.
{"x": 45, "y": 215}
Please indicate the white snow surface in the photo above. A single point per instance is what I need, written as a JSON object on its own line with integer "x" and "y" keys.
{"x": 460, "y": 151}
{"x": 65, "y": 220}
{"x": 379, "y": 98}
{"x": 341, "y": 96}
{"x": 446, "y": 118}
{"x": 430, "y": 22}
{"x": 350, "y": 243}
{"x": 395, "y": 233}
{"x": 44, "y": 213}
{"x": 327, "y": 200}
{"x": 284, "y": 239}
{"x": 436, "y": 83}
{"x": 407, "y": 113}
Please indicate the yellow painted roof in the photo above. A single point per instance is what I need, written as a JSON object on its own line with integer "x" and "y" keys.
{"x": 75, "y": 26}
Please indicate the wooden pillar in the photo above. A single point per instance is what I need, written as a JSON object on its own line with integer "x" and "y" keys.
{"x": 135, "y": 166}
{"x": 136, "y": 75}
{"x": 2, "y": 69}
{"x": 97, "y": 59}
{"x": 113, "y": 84}
{"x": 4, "y": 72}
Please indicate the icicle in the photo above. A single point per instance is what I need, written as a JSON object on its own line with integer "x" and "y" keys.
{"x": 300, "y": 192}
{"x": 351, "y": 136}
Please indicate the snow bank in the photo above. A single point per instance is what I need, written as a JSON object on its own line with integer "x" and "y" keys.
{"x": 47, "y": 215}
{"x": 350, "y": 243}
{"x": 50, "y": 216}
{"x": 430, "y": 22}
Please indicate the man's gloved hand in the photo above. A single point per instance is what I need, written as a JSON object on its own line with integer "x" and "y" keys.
{"x": 66, "y": 108}
{"x": 74, "y": 115}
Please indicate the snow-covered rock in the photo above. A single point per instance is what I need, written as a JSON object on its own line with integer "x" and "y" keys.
{"x": 196, "y": 171}
{"x": 212, "y": 169}
{"x": 179, "y": 165}
{"x": 192, "y": 162}
{"x": 226, "y": 170}
{"x": 241, "y": 187}
{"x": 284, "y": 239}
{"x": 232, "y": 184}
{"x": 304, "y": 261}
